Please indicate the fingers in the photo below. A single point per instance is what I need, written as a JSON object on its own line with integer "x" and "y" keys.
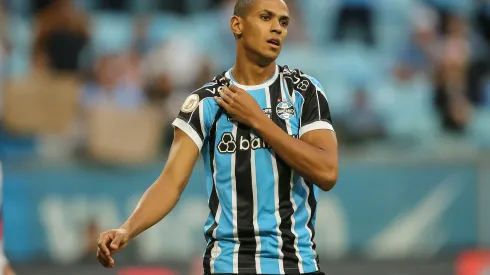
{"x": 117, "y": 241}
{"x": 227, "y": 95}
{"x": 104, "y": 260}
{"x": 222, "y": 103}
{"x": 104, "y": 239}
{"x": 103, "y": 252}
{"x": 234, "y": 89}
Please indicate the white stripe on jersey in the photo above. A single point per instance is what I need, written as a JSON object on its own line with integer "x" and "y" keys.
{"x": 258, "y": 269}
{"x": 291, "y": 183}
{"x": 234, "y": 199}
{"x": 201, "y": 118}
{"x": 276, "y": 194}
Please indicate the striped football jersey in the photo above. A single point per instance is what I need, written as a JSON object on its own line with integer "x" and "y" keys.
{"x": 262, "y": 213}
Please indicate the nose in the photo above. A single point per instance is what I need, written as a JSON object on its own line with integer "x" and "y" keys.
{"x": 276, "y": 27}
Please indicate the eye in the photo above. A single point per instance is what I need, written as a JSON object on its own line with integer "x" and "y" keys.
{"x": 284, "y": 23}
{"x": 265, "y": 17}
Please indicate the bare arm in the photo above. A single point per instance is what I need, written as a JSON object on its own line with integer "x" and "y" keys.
{"x": 164, "y": 193}
{"x": 314, "y": 156}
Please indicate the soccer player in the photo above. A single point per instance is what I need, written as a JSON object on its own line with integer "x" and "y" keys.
{"x": 268, "y": 145}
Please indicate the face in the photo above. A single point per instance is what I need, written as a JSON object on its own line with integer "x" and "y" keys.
{"x": 264, "y": 28}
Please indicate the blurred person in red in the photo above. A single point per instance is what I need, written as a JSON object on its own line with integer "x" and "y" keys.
{"x": 266, "y": 136}
{"x": 4, "y": 263}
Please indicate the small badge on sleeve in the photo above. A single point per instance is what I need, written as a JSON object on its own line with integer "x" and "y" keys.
{"x": 190, "y": 104}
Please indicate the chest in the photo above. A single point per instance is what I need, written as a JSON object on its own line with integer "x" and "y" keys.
{"x": 232, "y": 137}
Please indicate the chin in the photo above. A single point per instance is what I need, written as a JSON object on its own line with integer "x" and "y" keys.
{"x": 270, "y": 56}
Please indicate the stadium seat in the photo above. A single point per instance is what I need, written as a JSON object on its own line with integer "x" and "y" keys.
{"x": 111, "y": 31}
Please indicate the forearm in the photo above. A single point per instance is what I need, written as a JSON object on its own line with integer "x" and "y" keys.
{"x": 153, "y": 206}
{"x": 314, "y": 164}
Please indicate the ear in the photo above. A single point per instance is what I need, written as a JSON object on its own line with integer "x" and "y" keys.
{"x": 236, "y": 25}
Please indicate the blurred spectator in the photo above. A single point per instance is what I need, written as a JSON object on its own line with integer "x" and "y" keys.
{"x": 296, "y": 29}
{"x": 483, "y": 19}
{"x": 166, "y": 72}
{"x": 4, "y": 52}
{"x": 113, "y": 84}
{"x": 445, "y": 9}
{"x": 360, "y": 124}
{"x": 451, "y": 83}
{"x": 359, "y": 14}
{"x": 479, "y": 67}
{"x": 169, "y": 78}
{"x": 113, "y": 5}
{"x": 62, "y": 32}
{"x": 420, "y": 53}
{"x": 179, "y": 7}
{"x": 140, "y": 43}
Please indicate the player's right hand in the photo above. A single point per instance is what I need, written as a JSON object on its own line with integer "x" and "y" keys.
{"x": 109, "y": 243}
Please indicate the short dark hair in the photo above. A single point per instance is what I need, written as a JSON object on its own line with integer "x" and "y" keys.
{"x": 242, "y": 7}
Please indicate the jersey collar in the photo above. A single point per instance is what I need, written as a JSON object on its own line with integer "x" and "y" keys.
{"x": 254, "y": 87}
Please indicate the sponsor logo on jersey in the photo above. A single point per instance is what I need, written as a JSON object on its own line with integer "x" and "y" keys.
{"x": 228, "y": 144}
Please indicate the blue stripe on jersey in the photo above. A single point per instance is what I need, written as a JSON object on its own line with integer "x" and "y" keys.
{"x": 301, "y": 216}
{"x": 316, "y": 82}
{"x": 298, "y": 105}
{"x": 265, "y": 202}
{"x": 224, "y": 232}
{"x": 210, "y": 107}
{"x": 286, "y": 92}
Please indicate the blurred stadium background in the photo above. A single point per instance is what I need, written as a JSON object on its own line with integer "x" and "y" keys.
{"x": 89, "y": 89}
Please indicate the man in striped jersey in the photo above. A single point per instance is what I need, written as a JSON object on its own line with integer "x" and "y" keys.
{"x": 268, "y": 145}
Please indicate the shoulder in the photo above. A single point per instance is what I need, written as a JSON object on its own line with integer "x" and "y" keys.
{"x": 207, "y": 91}
{"x": 301, "y": 81}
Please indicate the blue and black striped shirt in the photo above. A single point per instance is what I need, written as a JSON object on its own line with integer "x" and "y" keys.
{"x": 262, "y": 214}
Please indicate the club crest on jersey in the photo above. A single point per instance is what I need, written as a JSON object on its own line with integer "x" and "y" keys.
{"x": 285, "y": 110}
{"x": 190, "y": 104}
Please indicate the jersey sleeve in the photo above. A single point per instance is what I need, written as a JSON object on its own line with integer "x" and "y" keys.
{"x": 315, "y": 114}
{"x": 193, "y": 118}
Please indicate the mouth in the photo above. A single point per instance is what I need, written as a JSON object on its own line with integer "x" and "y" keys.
{"x": 274, "y": 42}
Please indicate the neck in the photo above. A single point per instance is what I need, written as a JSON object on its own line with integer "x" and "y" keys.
{"x": 248, "y": 72}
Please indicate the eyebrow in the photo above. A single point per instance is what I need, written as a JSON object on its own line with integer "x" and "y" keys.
{"x": 282, "y": 17}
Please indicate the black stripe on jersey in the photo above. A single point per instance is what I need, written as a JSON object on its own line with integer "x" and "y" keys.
{"x": 245, "y": 205}
{"x": 313, "y": 204}
{"x": 195, "y": 121}
{"x": 323, "y": 107}
{"x": 213, "y": 200}
{"x": 286, "y": 210}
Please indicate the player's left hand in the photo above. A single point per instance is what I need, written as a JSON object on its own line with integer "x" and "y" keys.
{"x": 240, "y": 105}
